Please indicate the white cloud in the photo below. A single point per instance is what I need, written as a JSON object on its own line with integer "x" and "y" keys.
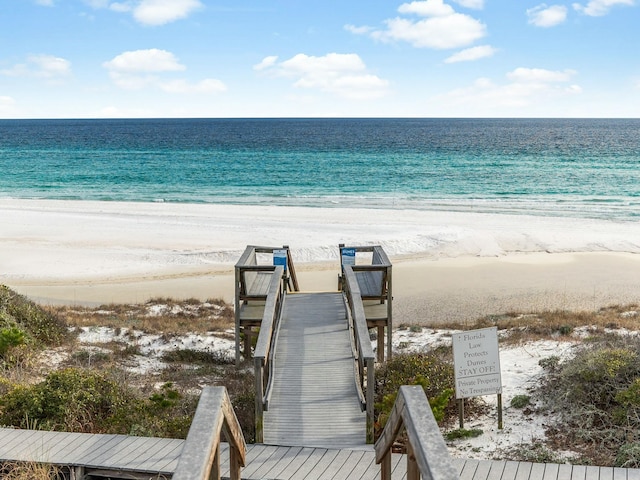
{"x": 41, "y": 66}
{"x": 470, "y": 54}
{"x": 160, "y": 12}
{"x": 357, "y": 30}
{"x": 344, "y": 75}
{"x": 266, "y": 63}
{"x": 526, "y": 87}
{"x": 475, "y": 4}
{"x": 151, "y": 60}
{"x": 545, "y": 16}
{"x": 598, "y": 8}
{"x": 45, "y": 3}
{"x": 442, "y": 29}
{"x": 138, "y": 69}
{"x": 539, "y": 75}
{"x": 150, "y": 12}
{"x": 427, "y": 8}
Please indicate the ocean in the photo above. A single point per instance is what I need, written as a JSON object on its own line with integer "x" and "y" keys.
{"x": 583, "y": 168}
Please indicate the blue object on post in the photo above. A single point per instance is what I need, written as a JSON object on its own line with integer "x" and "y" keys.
{"x": 280, "y": 258}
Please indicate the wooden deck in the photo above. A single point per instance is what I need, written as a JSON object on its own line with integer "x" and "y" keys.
{"x": 119, "y": 453}
{"x": 314, "y": 402}
{"x": 157, "y": 458}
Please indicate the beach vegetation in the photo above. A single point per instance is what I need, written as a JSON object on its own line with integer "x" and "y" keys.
{"x": 595, "y": 396}
{"x": 30, "y": 471}
{"x": 25, "y": 322}
{"x": 88, "y": 401}
{"x": 520, "y": 401}
{"x": 461, "y": 433}
{"x": 433, "y": 371}
{"x": 156, "y": 316}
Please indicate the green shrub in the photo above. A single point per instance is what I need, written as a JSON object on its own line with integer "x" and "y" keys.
{"x": 433, "y": 373}
{"x": 520, "y": 401}
{"x": 77, "y": 400}
{"x": 596, "y": 395}
{"x": 10, "y": 337}
{"x": 70, "y": 399}
{"x": 37, "y": 323}
{"x": 460, "y": 433}
{"x": 550, "y": 364}
{"x": 628, "y": 456}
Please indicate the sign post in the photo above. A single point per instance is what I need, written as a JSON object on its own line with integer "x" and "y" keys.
{"x": 476, "y": 361}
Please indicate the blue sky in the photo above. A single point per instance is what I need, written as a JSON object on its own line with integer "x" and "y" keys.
{"x": 286, "y": 58}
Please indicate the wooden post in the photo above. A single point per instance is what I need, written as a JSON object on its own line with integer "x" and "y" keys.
{"x": 413, "y": 473}
{"x": 371, "y": 390}
{"x": 215, "y": 466}
{"x": 499, "y": 411}
{"x": 248, "y": 333}
{"x": 385, "y": 467}
{"x": 381, "y": 343}
{"x": 259, "y": 408}
{"x": 237, "y": 313}
{"x": 461, "y": 412}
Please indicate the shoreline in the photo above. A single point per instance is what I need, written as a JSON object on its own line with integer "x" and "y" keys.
{"x": 447, "y": 266}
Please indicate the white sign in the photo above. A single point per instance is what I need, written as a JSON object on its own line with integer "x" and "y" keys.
{"x": 476, "y": 361}
{"x": 348, "y": 256}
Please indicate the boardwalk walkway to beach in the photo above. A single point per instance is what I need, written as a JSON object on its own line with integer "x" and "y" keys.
{"x": 314, "y": 402}
{"x": 314, "y": 371}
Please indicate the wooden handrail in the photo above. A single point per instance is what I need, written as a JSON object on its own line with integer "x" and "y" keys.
{"x": 246, "y": 293}
{"x": 200, "y": 458}
{"x": 262, "y": 358}
{"x": 427, "y": 454}
{"x": 364, "y": 356}
{"x": 382, "y": 292}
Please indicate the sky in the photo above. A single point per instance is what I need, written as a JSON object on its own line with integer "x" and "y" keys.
{"x": 329, "y": 58}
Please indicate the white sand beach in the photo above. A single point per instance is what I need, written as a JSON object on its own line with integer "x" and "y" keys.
{"x": 446, "y": 265}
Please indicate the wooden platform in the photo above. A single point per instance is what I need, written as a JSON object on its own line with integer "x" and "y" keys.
{"x": 157, "y": 458}
{"x": 314, "y": 402}
{"x": 152, "y": 456}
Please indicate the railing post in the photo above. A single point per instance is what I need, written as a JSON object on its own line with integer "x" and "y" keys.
{"x": 413, "y": 473}
{"x": 371, "y": 390}
{"x": 259, "y": 409}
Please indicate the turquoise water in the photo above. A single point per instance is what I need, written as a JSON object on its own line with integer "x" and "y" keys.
{"x": 556, "y": 167}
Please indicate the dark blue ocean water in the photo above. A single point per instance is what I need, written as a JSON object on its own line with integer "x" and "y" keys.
{"x": 560, "y": 167}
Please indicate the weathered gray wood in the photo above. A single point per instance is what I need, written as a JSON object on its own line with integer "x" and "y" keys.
{"x": 370, "y": 282}
{"x": 578, "y": 472}
{"x": 412, "y": 411}
{"x": 314, "y": 399}
{"x": 293, "y": 463}
{"x": 290, "y": 454}
{"x": 524, "y": 469}
{"x": 537, "y": 471}
{"x": 266, "y": 339}
{"x": 214, "y": 414}
{"x": 469, "y": 469}
{"x": 364, "y": 352}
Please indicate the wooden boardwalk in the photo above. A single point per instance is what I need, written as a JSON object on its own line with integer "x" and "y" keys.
{"x": 157, "y": 458}
{"x": 114, "y": 453}
{"x": 314, "y": 402}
